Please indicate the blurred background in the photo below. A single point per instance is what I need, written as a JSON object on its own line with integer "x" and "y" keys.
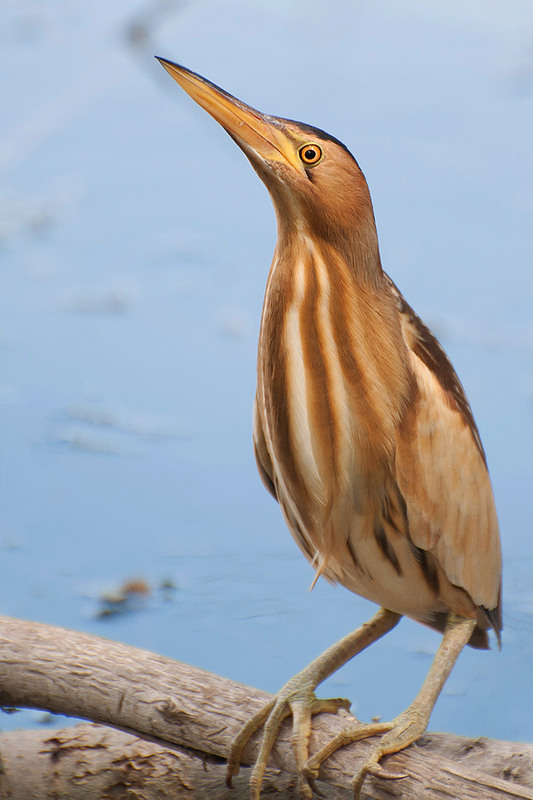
{"x": 135, "y": 242}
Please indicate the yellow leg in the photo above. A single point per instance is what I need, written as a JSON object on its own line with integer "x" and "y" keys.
{"x": 297, "y": 698}
{"x": 411, "y": 724}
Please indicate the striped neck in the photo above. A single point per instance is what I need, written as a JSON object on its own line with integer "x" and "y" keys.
{"x": 332, "y": 364}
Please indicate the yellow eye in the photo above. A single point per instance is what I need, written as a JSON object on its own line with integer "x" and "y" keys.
{"x": 310, "y": 154}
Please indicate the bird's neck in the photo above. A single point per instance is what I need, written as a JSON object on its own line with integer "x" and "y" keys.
{"x": 319, "y": 303}
{"x": 352, "y": 258}
{"x": 355, "y": 247}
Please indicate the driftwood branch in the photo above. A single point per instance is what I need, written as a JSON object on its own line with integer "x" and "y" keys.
{"x": 92, "y": 762}
{"x": 180, "y": 721}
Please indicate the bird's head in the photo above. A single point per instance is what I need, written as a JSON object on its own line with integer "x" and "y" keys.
{"x": 316, "y": 185}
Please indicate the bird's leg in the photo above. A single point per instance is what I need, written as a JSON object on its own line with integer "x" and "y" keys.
{"x": 410, "y": 724}
{"x": 297, "y": 698}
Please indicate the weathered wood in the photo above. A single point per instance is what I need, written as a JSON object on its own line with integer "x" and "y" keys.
{"x": 92, "y": 762}
{"x": 171, "y": 704}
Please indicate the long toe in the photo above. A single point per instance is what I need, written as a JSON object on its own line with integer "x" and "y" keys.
{"x": 302, "y": 713}
{"x": 242, "y": 739}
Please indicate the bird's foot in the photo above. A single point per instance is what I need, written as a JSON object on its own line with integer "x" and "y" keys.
{"x": 397, "y": 735}
{"x": 297, "y": 697}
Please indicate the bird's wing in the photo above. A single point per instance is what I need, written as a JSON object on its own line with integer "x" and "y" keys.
{"x": 442, "y": 473}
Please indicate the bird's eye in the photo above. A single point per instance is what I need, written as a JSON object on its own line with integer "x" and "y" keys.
{"x": 310, "y": 154}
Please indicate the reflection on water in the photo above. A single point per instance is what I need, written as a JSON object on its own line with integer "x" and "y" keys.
{"x": 134, "y": 246}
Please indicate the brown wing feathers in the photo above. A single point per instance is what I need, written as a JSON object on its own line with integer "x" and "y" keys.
{"x": 447, "y": 489}
{"x": 428, "y": 349}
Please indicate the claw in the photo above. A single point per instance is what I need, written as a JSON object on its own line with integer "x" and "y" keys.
{"x": 314, "y": 788}
{"x": 374, "y": 768}
{"x": 380, "y": 772}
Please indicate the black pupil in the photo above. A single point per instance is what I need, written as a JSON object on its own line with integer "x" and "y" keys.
{"x": 310, "y": 154}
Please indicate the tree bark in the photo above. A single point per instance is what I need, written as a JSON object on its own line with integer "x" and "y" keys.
{"x": 181, "y": 721}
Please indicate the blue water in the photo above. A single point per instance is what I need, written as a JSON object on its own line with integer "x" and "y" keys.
{"x": 134, "y": 246}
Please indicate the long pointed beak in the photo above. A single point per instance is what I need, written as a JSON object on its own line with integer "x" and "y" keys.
{"x": 256, "y": 133}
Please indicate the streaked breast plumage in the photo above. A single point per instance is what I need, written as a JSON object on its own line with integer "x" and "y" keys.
{"x": 328, "y": 436}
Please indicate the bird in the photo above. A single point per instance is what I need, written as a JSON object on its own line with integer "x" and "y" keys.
{"x": 363, "y": 434}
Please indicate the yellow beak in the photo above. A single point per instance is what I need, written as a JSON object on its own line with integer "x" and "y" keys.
{"x": 256, "y": 133}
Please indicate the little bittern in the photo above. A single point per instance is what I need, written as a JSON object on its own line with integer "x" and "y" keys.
{"x": 362, "y": 433}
